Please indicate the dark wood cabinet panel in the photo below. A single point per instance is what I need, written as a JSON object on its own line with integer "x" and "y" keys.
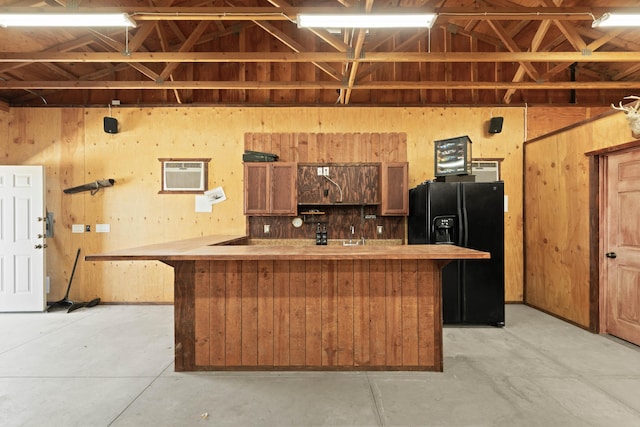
{"x": 270, "y": 188}
{"x": 394, "y": 178}
{"x": 283, "y": 189}
{"x": 346, "y": 184}
{"x": 256, "y": 190}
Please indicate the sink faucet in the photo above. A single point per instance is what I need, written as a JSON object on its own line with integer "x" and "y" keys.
{"x": 352, "y": 241}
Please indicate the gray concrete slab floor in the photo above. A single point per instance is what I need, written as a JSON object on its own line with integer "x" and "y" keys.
{"x": 112, "y": 365}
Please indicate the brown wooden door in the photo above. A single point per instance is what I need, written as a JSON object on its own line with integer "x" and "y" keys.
{"x": 622, "y": 279}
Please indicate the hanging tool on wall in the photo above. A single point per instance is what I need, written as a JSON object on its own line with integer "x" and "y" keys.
{"x": 92, "y": 186}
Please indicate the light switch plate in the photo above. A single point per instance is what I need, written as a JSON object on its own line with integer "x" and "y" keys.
{"x": 103, "y": 228}
{"x": 77, "y": 228}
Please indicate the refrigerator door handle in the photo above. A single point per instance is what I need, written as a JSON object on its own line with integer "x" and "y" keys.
{"x": 463, "y": 238}
{"x": 459, "y": 213}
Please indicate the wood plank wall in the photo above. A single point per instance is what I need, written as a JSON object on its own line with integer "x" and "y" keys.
{"x": 72, "y": 145}
{"x": 557, "y": 203}
{"x": 318, "y": 314}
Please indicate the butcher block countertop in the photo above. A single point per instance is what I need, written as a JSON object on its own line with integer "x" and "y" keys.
{"x": 236, "y": 247}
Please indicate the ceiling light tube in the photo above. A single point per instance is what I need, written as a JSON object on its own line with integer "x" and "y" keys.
{"x": 617, "y": 20}
{"x": 66, "y": 20}
{"x": 368, "y": 20}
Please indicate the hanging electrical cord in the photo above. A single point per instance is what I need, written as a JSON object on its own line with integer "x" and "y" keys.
{"x": 31, "y": 92}
{"x": 336, "y": 184}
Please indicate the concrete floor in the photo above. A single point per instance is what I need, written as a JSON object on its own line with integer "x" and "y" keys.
{"x": 112, "y": 366}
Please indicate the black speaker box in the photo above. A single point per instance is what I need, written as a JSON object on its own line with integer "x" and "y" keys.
{"x": 110, "y": 125}
{"x": 495, "y": 125}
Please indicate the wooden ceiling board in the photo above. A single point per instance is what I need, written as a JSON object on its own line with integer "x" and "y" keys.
{"x": 247, "y": 31}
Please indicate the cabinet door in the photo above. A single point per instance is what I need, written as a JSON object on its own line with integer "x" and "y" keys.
{"x": 283, "y": 191}
{"x": 256, "y": 188}
{"x": 395, "y": 194}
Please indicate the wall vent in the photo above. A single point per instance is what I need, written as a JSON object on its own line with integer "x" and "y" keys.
{"x": 183, "y": 176}
{"x": 486, "y": 170}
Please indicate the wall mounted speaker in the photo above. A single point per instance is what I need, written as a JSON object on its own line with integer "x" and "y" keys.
{"x": 495, "y": 124}
{"x": 110, "y": 125}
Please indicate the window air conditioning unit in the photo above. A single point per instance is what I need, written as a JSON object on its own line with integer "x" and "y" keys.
{"x": 183, "y": 176}
{"x": 485, "y": 170}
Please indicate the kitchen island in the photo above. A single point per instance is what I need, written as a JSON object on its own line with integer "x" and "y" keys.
{"x": 245, "y": 307}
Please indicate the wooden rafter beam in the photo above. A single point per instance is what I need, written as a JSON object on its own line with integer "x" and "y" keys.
{"x": 297, "y": 85}
{"x": 152, "y": 13}
{"x": 401, "y": 57}
{"x": 186, "y": 47}
{"x": 513, "y": 48}
{"x": 297, "y": 47}
{"x": 120, "y": 47}
{"x": 541, "y": 32}
{"x": 345, "y": 96}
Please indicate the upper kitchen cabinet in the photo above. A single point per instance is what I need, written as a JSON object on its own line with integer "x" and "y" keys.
{"x": 394, "y": 178}
{"x": 338, "y": 184}
{"x": 270, "y": 188}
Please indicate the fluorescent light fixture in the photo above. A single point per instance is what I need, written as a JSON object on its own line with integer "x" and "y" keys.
{"x": 66, "y": 20}
{"x": 617, "y": 20}
{"x": 366, "y": 20}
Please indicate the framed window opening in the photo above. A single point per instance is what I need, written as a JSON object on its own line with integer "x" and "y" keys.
{"x": 184, "y": 175}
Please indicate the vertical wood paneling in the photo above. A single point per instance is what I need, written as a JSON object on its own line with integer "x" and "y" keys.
{"x": 301, "y": 147}
{"x": 376, "y": 148}
{"x": 265, "y": 313}
{"x": 184, "y": 316}
{"x": 361, "y": 313}
{"x": 426, "y": 301}
{"x": 233, "y": 320}
{"x": 393, "y": 302}
{"x": 249, "y": 313}
{"x": 329, "y": 305}
{"x": 410, "y": 337}
{"x": 377, "y": 295}
{"x": 345, "y": 312}
{"x": 297, "y": 326}
{"x": 203, "y": 299}
{"x": 281, "y": 309}
{"x": 218, "y": 313}
{"x": 313, "y": 313}
{"x": 313, "y": 149}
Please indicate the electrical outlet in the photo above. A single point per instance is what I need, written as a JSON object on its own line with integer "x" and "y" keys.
{"x": 320, "y": 173}
{"x": 325, "y": 171}
{"x": 379, "y": 229}
{"x": 267, "y": 229}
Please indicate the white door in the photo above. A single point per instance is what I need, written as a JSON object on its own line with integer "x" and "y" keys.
{"x": 22, "y": 243}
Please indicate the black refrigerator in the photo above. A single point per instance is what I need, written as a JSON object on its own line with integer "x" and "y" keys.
{"x": 468, "y": 214}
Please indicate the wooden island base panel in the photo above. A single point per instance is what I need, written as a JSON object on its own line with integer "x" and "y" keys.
{"x": 304, "y": 308}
